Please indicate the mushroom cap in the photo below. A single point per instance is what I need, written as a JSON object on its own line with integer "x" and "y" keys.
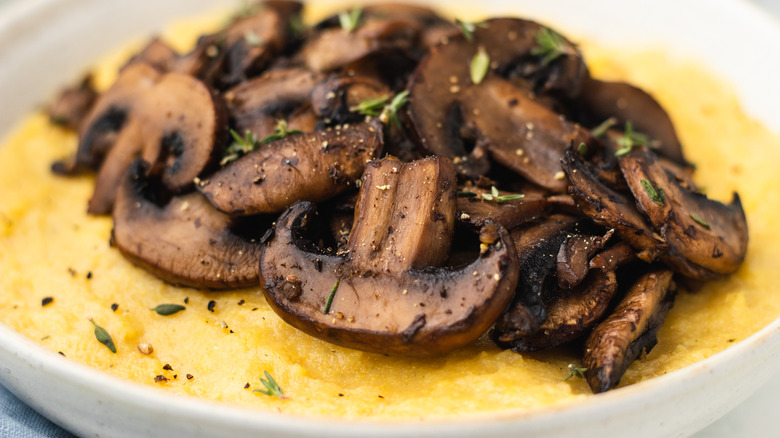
{"x": 421, "y": 312}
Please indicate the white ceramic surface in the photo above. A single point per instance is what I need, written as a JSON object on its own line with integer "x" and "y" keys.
{"x": 45, "y": 42}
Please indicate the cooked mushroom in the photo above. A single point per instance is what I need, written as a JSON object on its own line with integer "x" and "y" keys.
{"x": 128, "y": 147}
{"x": 374, "y": 299}
{"x": 613, "y": 257}
{"x": 569, "y": 317}
{"x": 311, "y": 167}
{"x": 336, "y": 98}
{"x": 72, "y": 105}
{"x": 474, "y": 209}
{"x": 629, "y": 331}
{"x": 256, "y": 105}
{"x": 183, "y": 129}
{"x": 573, "y": 260}
{"x": 185, "y": 241}
{"x": 706, "y": 238}
{"x": 158, "y": 54}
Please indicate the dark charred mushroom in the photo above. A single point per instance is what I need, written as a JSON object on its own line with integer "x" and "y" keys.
{"x": 378, "y": 301}
{"x": 570, "y": 317}
{"x": 706, "y": 238}
{"x": 573, "y": 261}
{"x": 336, "y": 98}
{"x": 72, "y": 105}
{"x": 183, "y": 129}
{"x": 476, "y": 210}
{"x": 311, "y": 167}
{"x": 629, "y": 331}
{"x": 258, "y": 104}
{"x": 613, "y": 257}
{"x": 185, "y": 241}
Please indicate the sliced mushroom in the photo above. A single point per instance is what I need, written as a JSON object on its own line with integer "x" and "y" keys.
{"x": 183, "y": 129}
{"x": 127, "y": 148}
{"x": 510, "y": 214}
{"x": 312, "y": 167}
{"x": 72, "y": 105}
{"x": 107, "y": 117}
{"x": 411, "y": 312}
{"x": 256, "y": 105}
{"x": 706, "y": 238}
{"x": 613, "y": 257}
{"x": 537, "y": 245}
{"x": 629, "y": 331}
{"x": 335, "y": 98}
{"x": 569, "y": 317}
{"x": 158, "y": 54}
{"x": 185, "y": 241}
{"x": 610, "y": 209}
{"x": 573, "y": 261}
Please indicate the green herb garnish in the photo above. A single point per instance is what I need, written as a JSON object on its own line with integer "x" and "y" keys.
{"x": 252, "y": 38}
{"x": 467, "y": 194}
{"x": 328, "y": 303}
{"x": 280, "y": 131}
{"x": 657, "y": 195}
{"x": 575, "y": 371}
{"x": 350, "y": 20}
{"x": 103, "y": 337}
{"x": 168, "y": 309}
{"x": 582, "y": 149}
{"x": 468, "y": 27}
{"x": 630, "y": 140}
{"x": 272, "y": 389}
{"x": 480, "y": 64}
{"x": 494, "y": 196}
{"x": 700, "y": 221}
{"x": 550, "y": 45}
{"x": 371, "y": 107}
{"x": 239, "y": 147}
{"x": 600, "y": 130}
{"x": 378, "y": 107}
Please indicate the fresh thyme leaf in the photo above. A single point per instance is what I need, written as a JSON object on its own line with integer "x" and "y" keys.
{"x": 600, "y": 130}
{"x": 390, "y": 111}
{"x": 656, "y": 195}
{"x": 700, "y": 221}
{"x": 495, "y": 196}
{"x": 480, "y": 64}
{"x": 272, "y": 389}
{"x": 550, "y": 45}
{"x": 494, "y": 191}
{"x": 328, "y": 303}
{"x": 349, "y": 21}
{"x": 252, "y": 38}
{"x": 468, "y": 27}
{"x": 582, "y": 149}
{"x": 371, "y": 107}
{"x": 239, "y": 147}
{"x": 467, "y": 194}
{"x": 103, "y": 337}
{"x": 280, "y": 131}
{"x": 168, "y": 309}
{"x": 575, "y": 371}
{"x": 630, "y": 140}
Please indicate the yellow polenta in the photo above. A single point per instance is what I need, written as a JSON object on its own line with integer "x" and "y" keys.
{"x": 49, "y": 247}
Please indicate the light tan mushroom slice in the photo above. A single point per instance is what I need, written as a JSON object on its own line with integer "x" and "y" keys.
{"x": 629, "y": 331}
{"x": 314, "y": 167}
{"x": 127, "y": 148}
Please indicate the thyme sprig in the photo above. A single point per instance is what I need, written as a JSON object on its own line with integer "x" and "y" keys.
{"x": 329, "y": 302}
{"x": 280, "y": 131}
{"x": 656, "y": 195}
{"x": 480, "y": 64}
{"x": 575, "y": 371}
{"x": 378, "y": 107}
{"x": 272, "y": 389}
{"x": 630, "y": 140}
{"x": 350, "y": 20}
{"x": 371, "y": 107}
{"x": 700, "y": 221}
{"x": 240, "y": 146}
{"x": 103, "y": 337}
{"x": 469, "y": 27}
{"x": 602, "y": 128}
{"x": 494, "y": 195}
{"x": 550, "y": 45}
{"x": 168, "y": 309}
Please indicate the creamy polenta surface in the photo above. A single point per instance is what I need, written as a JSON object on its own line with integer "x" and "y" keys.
{"x": 59, "y": 273}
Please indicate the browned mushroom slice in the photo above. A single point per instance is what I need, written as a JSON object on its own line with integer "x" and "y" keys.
{"x": 314, "y": 167}
{"x": 537, "y": 246}
{"x": 568, "y": 318}
{"x": 183, "y": 129}
{"x": 258, "y": 104}
{"x": 627, "y": 103}
{"x": 613, "y": 257}
{"x": 610, "y": 209}
{"x": 706, "y": 238}
{"x": 389, "y": 308}
{"x": 333, "y": 48}
{"x": 404, "y": 215}
{"x": 476, "y": 210}
{"x": 335, "y": 99}
{"x": 72, "y": 105}
{"x": 520, "y": 133}
{"x": 185, "y": 241}
{"x": 158, "y": 54}
{"x": 573, "y": 260}
{"x": 127, "y": 148}
{"x": 107, "y": 117}
{"x": 629, "y": 331}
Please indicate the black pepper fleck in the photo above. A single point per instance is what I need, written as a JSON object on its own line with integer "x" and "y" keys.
{"x": 211, "y": 306}
{"x": 61, "y": 353}
{"x": 168, "y": 367}
{"x": 160, "y": 378}
{"x": 241, "y": 303}
{"x": 114, "y": 307}
{"x": 46, "y": 301}
{"x": 187, "y": 300}
{"x": 89, "y": 275}
{"x": 189, "y": 376}
{"x": 246, "y": 386}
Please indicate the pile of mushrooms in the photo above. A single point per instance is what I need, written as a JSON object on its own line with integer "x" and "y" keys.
{"x": 436, "y": 181}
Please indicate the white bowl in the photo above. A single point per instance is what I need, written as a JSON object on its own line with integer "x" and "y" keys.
{"x": 44, "y": 43}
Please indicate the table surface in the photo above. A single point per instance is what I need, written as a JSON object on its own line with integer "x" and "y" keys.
{"x": 756, "y": 417}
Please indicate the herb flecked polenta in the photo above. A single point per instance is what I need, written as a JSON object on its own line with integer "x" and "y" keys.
{"x": 60, "y": 276}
